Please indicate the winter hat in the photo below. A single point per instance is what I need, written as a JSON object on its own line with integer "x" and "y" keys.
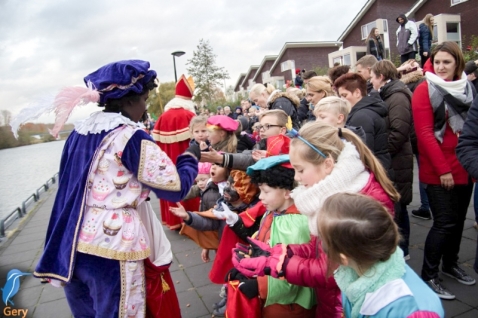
{"x": 222, "y": 122}
{"x": 470, "y": 67}
{"x": 204, "y": 167}
{"x": 297, "y": 71}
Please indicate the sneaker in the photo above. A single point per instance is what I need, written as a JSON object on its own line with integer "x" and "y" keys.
{"x": 406, "y": 257}
{"x": 219, "y": 304}
{"x": 222, "y": 293}
{"x": 219, "y": 312}
{"x": 459, "y": 274}
{"x": 439, "y": 289}
{"x": 422, "y": 214}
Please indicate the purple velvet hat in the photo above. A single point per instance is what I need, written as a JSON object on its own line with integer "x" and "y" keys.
{"x": 117, "y": 79}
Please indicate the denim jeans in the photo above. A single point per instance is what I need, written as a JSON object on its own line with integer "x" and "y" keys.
{"x": 449, "y": 209}
{"x": 475, "y": 202}
{"x": 403, "y": 222}
{"x": 424, "y": 204}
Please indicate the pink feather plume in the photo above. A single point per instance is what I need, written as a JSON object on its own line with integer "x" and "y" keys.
{"x": 69, "y": 98}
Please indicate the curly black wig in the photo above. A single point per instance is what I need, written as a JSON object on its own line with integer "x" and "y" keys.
{"x": 275, "y": 177}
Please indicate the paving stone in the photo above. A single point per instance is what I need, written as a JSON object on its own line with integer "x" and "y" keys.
{"x": 199, "y": 274}
{"x": 181, "y": 281}
{"x": 469, "y": 314}
{"x": 464, "y": 294}
{"x": 470, "y": 233}
{"x": 56, "y": 309}
{"x": 196, "y": 306}
{"x": 454, "y": 307}
{"x": 27, "y": 297}
{"x": 209, "y": 295}
{"x": 51, "y": 293}
{"x": 182, "y": 245}
{"x": 14, "y": 259}
{"x": 190, "y": 258}
{"x": 26, "y": 236}
{"x": 22, "y": 247}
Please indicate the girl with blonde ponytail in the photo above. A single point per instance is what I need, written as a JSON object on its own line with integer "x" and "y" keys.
{"x": 326, "y": 160}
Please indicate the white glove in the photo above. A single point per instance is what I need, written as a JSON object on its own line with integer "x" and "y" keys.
{"x": 230, "y": 217}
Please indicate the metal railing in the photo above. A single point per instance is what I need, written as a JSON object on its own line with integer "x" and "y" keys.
{"x": 20, "y": 212}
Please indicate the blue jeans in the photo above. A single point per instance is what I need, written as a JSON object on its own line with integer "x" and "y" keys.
{"x": 403, "y": 222}
{"x": 424, "y": 204}
{"x": 475, "y": 202}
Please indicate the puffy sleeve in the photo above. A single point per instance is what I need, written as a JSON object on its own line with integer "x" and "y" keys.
{"x": 154, "y": 168}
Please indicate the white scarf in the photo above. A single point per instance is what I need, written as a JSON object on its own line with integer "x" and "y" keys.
{"x": 455, "y": 88}
{"x": 348, "y": 175}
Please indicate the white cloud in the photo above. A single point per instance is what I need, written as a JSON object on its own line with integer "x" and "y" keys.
{"x": 48, "y": 44}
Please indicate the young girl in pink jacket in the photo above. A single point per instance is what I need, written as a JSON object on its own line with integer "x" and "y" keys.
{"x": 327, "y": 160}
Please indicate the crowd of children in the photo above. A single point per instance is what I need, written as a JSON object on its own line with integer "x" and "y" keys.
{"x": 308, "y": 222}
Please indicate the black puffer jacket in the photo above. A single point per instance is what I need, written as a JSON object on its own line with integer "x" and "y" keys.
{"x": 398, "y": 99}
{"x": 287, "y": 103}
{"x": 370, "y": 113}
{"x": 467, "y": 149}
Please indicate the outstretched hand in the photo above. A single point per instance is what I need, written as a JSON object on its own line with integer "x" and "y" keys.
{"x": 212, "y": 156}
{"x": 230, "y": 217}
{"x": 179, "y": 211}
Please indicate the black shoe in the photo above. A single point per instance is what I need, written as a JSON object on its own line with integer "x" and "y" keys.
{"x": 439, "y": 289}
{"x": 220, "y": 304}
{"x": 422, "y": 214}
{"x": 459, "y": 274}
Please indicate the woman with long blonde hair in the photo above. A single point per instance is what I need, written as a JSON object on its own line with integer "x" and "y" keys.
{"x": 425, "y": 37}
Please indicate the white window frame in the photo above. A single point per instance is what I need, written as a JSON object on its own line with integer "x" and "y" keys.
{"x": 367, "y": 27}
{"x": 455, "y": 2}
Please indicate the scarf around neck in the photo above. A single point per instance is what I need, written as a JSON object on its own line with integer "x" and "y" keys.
{"x": 454, "y": 97}
{"x": 349, "y": 175}
{"x": 357, "y": 287}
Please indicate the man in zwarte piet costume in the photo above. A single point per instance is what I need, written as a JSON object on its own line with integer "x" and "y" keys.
{"x": 104, "y": 244}
{"x": 172, "y": 135}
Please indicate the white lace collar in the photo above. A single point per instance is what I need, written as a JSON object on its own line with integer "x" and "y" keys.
{"x": 101, "y": 121}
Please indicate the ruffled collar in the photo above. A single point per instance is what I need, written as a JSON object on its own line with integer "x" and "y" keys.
{"x": 101, "y": 121}
{"x": 349, "y": 175}
{"x": 357, "y": 287}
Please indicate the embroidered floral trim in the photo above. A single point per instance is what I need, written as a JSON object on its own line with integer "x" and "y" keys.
{"x": 156, "y": 169}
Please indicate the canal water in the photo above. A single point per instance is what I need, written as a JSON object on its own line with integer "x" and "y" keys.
{"x": 24, "y": 170}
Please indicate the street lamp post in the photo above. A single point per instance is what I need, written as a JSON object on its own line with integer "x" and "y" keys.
{"x": 176, "y": 54}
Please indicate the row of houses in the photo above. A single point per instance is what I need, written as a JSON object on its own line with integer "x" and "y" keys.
{"x": 455, "y": 20}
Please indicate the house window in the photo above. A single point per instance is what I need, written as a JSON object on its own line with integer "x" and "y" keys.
{"x": 359, "y": 55}
{"x": 453, "y": 2}
{"x": 453, "y": 31}
{"x": 435, "y": 34}
{"x": 337, "y": 60}
{"x": 367, "y": 28}
{"x": 347, "y": 60}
